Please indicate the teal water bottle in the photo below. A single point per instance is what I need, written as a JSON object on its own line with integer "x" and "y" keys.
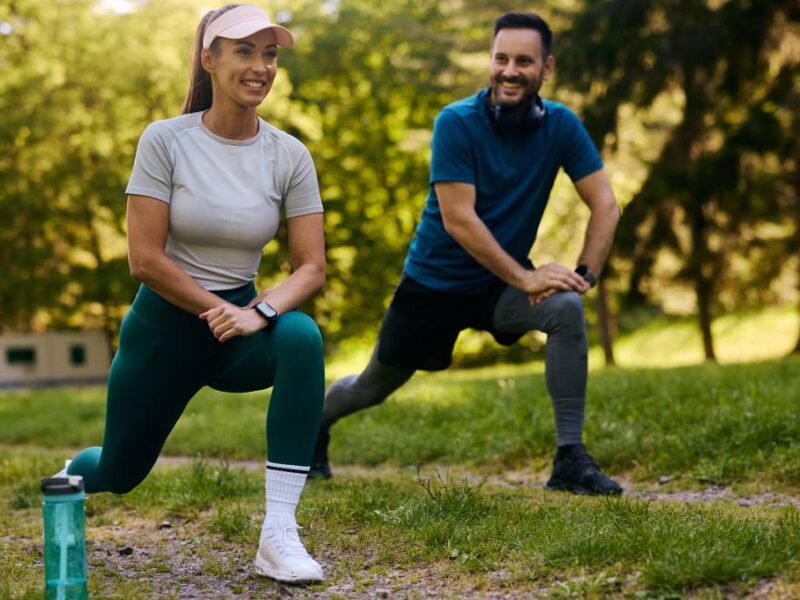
{"x": 64, "y": 538}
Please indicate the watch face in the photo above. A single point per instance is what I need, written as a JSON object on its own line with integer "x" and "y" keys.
{"x": 266, "y": 310}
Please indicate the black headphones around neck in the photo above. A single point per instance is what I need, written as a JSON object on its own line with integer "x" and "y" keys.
{"x": 526, "y": 118}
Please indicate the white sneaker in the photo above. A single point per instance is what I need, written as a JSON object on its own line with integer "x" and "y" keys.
{"x": 63, "y": 472}
{"x": 282, "y": 556}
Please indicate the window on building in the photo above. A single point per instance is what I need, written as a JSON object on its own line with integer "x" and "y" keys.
{"x": 77, "y": 354}
{"x": 21, "y": 355}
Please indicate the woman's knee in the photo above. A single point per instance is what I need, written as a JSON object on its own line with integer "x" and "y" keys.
{"x": 86, "y": 461}
{"x": 101, "y": 477}
{"x": 296, "y": 332}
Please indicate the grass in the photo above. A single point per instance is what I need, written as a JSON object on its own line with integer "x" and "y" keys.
{"x": 646, "y": 339}
{"x": 389, "y": 529}
{"x": 729, "y": 423}
{"x": 528, "y": 540}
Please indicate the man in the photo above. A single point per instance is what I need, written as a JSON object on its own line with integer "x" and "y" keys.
{"x": 495, "y": 156}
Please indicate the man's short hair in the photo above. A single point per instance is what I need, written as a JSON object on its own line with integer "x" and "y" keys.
{"x": 526, "y": 20}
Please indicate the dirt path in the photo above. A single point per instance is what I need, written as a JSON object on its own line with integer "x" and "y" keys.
{"x": 535, "y": 479}
{"x": 652, "y": 491}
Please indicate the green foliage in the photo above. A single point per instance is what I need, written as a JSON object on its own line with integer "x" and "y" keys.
{"x": 373, "y": 75}
{"x": 74, "y": 101}
{"x": 715, "y": 204}
{"x": 714, "y": 197}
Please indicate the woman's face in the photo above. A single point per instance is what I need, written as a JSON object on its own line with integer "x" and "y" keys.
{"x": 243, "y": 70}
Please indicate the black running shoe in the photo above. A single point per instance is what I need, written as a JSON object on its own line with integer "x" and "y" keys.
{"x": 320, "y": 467}
{"x": 575, "y": 471}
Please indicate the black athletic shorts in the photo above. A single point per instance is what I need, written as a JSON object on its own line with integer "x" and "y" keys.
{"x": 422, "y": 324}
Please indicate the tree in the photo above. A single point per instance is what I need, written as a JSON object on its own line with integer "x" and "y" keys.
{"x": 373, "y": 75}
{"x": 74, "y": 100}
{"x": 718, "y": 57}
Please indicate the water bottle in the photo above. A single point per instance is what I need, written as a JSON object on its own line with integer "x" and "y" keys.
{"x": 64, "y": 538}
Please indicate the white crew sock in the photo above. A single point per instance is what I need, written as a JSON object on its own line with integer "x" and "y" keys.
{"x": 284, "y": 484}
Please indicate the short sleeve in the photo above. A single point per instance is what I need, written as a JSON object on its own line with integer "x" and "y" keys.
{"x": 302, "y": 192}
{"x": 451, "y": 150}
{"x": 152, "y": 167}
{"x": 580, "y": 157}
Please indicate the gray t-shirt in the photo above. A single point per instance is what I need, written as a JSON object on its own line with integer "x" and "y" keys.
{"x": 224, "y": 196}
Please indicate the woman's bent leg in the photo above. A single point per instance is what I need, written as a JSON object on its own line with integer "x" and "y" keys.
{"x": 288, "y": 356}
{"x": 153, "y": 376}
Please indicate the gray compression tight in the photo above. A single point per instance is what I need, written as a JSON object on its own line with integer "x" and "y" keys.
{"x": 560, "y": 316}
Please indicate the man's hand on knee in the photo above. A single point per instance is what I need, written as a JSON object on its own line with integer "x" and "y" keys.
{"x": 549, "y": 279}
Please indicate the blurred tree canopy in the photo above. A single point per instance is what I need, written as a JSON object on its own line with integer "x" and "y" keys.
{"x": 705, "y": 92}
{"x": 721, "y": 197}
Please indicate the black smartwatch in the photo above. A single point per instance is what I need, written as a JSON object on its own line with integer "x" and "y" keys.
{"x": 585, "y": 272}
{"x": 266, "y": 311}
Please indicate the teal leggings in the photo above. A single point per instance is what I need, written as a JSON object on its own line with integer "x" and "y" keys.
{"x": 167, "y": 354}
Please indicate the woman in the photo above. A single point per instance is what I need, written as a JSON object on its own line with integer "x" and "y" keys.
{"x": 204, "y": 198}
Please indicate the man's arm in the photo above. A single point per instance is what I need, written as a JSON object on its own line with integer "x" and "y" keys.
{"x": 595, "y": 190}
{"x": 457, "y": 203}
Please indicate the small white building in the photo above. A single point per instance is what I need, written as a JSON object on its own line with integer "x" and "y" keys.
{"x": 53, "y": 358}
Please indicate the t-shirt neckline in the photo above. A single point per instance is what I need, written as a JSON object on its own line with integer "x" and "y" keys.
{"x": 224, "y": 140}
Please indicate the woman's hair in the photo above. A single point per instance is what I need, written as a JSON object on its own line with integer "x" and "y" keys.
{"x": 200, "y": 95}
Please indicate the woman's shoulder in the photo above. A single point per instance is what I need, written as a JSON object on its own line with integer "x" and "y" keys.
{"x": 286, "y": 140}
{"x": 168, "y": 129}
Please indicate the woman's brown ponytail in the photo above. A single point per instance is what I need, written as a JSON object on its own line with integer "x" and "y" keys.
{"x": 200, "y": 94}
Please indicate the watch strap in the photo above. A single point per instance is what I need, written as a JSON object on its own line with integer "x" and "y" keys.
{"x": 585, "y": 272}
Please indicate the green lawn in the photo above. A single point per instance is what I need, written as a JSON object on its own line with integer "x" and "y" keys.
{"x": 379, "y": 527}
{"x": 749, "y": 336}
{"x": 728, "y": 424}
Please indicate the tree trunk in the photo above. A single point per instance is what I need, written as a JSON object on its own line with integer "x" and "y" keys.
{"x": 605, "y": 320}
{"x": 704, "y": 292}
{"x": 796, "y": 211}
{"x": 699, "y": 268}
{"x": 797, "y": 345}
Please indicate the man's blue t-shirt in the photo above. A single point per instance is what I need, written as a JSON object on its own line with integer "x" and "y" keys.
{"x": 513, "y": 173}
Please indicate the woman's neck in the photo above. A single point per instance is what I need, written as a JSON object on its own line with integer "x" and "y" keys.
{"x": 234, "y": 124}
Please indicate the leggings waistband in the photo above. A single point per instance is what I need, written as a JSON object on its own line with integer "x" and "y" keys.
{"x": 150, "y": 306}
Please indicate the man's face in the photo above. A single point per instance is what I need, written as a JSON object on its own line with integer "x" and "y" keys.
{"x": 518, "y": 66}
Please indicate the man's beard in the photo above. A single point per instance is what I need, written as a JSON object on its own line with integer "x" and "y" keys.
{"x": 527, "y": 98}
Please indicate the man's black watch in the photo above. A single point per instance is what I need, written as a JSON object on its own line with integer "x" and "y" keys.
{"x": 266, "y": 311}
{"x": 585, "y": 272}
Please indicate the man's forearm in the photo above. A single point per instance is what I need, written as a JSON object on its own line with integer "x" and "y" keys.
{"x": 599, "y": 237}
{"x": 480, "y": 244}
